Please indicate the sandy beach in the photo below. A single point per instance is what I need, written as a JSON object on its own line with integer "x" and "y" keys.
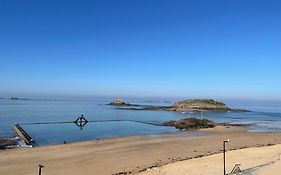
{"x": 165, "y": 154}
{"x": 256, "y": 161}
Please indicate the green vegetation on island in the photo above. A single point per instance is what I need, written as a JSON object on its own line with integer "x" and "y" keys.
{"x": 201, "y": 105}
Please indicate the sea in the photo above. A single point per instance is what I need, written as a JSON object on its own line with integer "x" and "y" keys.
{"x": 51, "y": 122}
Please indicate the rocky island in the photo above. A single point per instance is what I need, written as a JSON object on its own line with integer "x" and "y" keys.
{"x": 194, "y": 105}
{"x": 202, "y": 105}
{"x": 120, "y": 102}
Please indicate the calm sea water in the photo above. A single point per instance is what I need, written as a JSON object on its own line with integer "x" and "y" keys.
{"x": 128, "y": 122}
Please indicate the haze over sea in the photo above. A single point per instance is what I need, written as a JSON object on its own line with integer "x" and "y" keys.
{"x": 128, "y": 122}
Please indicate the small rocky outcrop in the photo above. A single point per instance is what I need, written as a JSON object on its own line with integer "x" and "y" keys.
{"x": 191, "y": 123}
{"x": 117, "y": 101}
{"x": 6, "y": 142}
{"x": 120, "y": 102}
{"x": 16, "y": 98}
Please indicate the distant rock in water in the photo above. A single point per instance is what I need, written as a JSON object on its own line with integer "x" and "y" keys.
{"x": 120, "y": 102}
{"x": 16, "y": 98}
{"x": 191, "y": 123}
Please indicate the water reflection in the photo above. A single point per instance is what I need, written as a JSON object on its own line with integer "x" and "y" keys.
{"x": 81, "y": 122}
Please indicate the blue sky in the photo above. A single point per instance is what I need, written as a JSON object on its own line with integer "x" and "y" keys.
{"x": 141, "y": 48}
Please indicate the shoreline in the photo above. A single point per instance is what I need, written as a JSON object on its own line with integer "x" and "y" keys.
{"x": 133, "y": 154}
{"x": 178, "y": 132}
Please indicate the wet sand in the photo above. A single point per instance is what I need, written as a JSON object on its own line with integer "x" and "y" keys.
{"x": 129, "y": 154}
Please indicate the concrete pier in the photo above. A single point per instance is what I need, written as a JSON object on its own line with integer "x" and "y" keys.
{"x": 22, "y": 134}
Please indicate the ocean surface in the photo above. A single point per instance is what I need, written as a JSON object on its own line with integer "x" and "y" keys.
{"x": 42, "y": 120}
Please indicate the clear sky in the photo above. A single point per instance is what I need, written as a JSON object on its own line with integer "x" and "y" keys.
{"x": 141, "y": 48}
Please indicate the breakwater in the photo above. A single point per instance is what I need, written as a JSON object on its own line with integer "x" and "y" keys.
{"x": 23, "y": 134}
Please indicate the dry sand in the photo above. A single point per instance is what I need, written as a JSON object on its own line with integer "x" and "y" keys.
{"x": 249, "y": 158}
{"x": 130, "y": 154}
{"x": 272, "y": 169}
